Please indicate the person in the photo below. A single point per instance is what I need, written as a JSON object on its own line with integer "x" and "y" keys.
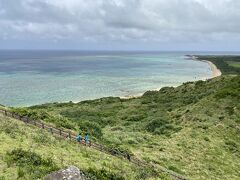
{"x": 78, "y": 138}
{"x": 86, "y": 137}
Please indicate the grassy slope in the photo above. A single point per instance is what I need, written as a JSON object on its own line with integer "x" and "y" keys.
{"x": 14, "y": 134}
{"x": 192, "y": 129}
{"x": 200, "y": 140}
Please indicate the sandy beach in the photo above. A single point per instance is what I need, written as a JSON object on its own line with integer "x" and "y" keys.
{"x": 215, "y": 71}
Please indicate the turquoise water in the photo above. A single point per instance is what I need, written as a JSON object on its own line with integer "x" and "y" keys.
{"x": 36, "y": 77}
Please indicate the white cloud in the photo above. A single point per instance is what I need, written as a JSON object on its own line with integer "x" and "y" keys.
{"x": 121, "y": 20}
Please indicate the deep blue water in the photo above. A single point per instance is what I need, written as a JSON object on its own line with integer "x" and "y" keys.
{"x": 35, "y": 77}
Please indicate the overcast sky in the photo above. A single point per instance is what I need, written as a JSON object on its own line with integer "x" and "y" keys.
{"x": 120, "y": 24}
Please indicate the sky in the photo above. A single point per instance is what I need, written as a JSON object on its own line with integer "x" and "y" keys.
{"x": 196, "y": 25}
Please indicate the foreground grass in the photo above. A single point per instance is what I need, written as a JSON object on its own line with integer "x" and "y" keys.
{"x": 16, "y": 135}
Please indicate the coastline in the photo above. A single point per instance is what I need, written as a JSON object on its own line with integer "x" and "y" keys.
{"x": 215, "y": 73}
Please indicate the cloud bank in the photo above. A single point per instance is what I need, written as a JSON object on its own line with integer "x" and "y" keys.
{"x": 120, "y": 24}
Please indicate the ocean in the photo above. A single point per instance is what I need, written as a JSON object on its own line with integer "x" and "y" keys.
{"x": 36, "y": 77}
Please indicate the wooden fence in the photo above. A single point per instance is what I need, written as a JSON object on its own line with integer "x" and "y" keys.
{"x": 72, "y": 136}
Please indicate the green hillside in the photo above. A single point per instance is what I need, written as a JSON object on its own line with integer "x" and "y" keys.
{"x": 192, "y": 129}
{"x": 30, "y": 153}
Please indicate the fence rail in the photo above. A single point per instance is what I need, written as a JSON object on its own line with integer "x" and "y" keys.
{"x": 72, "y": 136}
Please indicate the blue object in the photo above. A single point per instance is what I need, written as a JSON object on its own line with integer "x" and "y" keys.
{"x": 78, "y": 138}
{"x": 86, "y": 138}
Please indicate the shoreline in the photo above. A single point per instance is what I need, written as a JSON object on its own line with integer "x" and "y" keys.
{"x": 215, "y": 73}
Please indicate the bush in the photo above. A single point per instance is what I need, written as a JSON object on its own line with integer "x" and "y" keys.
{"x": 135, "y": 118}
{"x": 175, "y": 169}
{"x": 118, "y": 149}
{"x": 206, "y": 139}
{"x": 199, "y": 83}
{"x": 63, "y": 123}
{"x": 161, "y": 127}
{"x": 103, "y": 174}
{"x": 93, "y": 128}
{"x": 231, "y": 89}
{"x": 223, "y": 93}
{"x": 230, "y": 110}
{"x": 71, "y": 113}
{"x": 20, "y": 172}
{"x": 30, "y": 163}
{"x": 11, "y": 129}
{"x": 33, "y": 114}
{"x": 232, "y": 146}
{"x": 43, "y": 115}
{"x": 150, "y": 173}
{"x": 166, "y": 89}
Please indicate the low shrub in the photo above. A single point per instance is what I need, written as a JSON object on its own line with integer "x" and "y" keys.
{"x": 117, "y": 149}
{"x": 30, "y": 164}
{"x": 206, "y": 139}
{"x": 33, "y": 114}
{"x": 63, "y": 123}
{"x": 166, "y": 89}
{"x": 104, "y": 174}
{"x": 135, "y": 118}
{"x": 232, "y": 146}
{"x": 230, "y": 110}
{"x": 161, "y": 127}
{"x": 223, "y": 93}
{"x": 150, "y": 173}
{"x": 93, "y": 128}
{"x": 199, "y": 83}
{"x": 175, "y": 169}
{"x": 11, "y": 129}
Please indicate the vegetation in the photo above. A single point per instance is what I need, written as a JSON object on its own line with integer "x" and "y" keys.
{"x": 192, "y": 129}
{"x": 227, "y": 64}
{"x": 29, "y": 153}
{"x": 30, "y": 163}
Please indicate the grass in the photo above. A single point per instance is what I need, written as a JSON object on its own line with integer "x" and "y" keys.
{"x": 24, "y": 154}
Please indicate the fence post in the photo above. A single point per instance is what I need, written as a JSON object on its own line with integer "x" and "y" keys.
{"x": 60, "y": 132}
{"x": 35, "y": 124}
{"x": 69, "y": 135}
{"x": 5, "y": 112}
{"x": 42, "y": 126}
